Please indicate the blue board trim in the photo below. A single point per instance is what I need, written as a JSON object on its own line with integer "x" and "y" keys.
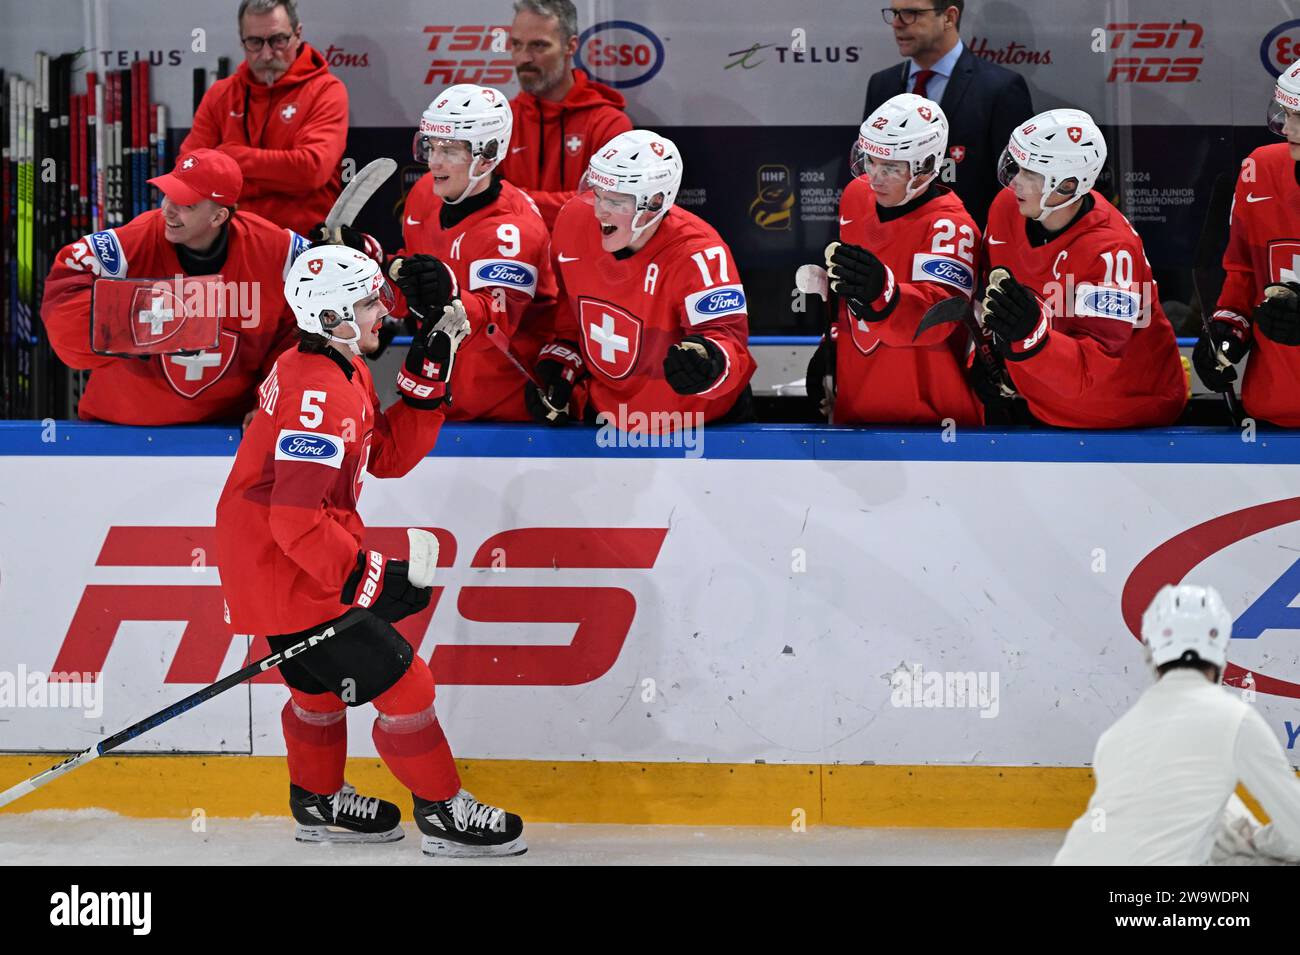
{"x": 1187, "y": 445}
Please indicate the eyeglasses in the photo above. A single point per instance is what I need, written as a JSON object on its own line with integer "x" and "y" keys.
{"x": 279, "y": 42}
{"x": 906, "y": 17}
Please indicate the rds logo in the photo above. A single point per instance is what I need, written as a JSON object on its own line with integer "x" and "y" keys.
{"x": 1178, "y": 558}
{"x": 619, "y": 53}
{"x": 1281, "y": 47}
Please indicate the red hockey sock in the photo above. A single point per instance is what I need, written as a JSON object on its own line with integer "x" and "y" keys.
{"x": 410, "y": 739}
{"x": 316, "y": 739}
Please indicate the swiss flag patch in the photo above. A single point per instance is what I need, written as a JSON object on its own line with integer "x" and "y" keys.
{"x": 657, "y": 148}
{"x": 315, "y": 265}
{"x": 431, "y": 369}
{"x": 191, "y": 375}
{"x": 957, "y": 153}
{"x": 1075, "y": 133}
{"x": 1284, "y": 261}
{"x": 611, "y": 337}
{"x": 925, "y": 112}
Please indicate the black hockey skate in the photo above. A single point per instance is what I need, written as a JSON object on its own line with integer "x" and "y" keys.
{"x": 343, "y": 817}
{"x": 464, "y": 828}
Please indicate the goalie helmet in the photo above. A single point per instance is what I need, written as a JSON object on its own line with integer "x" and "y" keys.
{"x": 906, "y": 128}
{"x": 1064, "y": 146}
{"x": 1187, "y": 619}
{"x": 1286, "y": 98}
{"x": 476, "y": 115}
{"x": 325, "y": 284}
{"x": 640, "y": 164}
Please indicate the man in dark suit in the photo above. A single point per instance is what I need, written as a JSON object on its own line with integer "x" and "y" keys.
{"x": 984, "y": 102}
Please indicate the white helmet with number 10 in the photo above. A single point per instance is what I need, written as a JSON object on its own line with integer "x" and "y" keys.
{"x": 325, "y": 284}
{"x": 1064, "y": 146}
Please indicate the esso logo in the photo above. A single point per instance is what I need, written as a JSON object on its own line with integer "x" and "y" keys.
{"x": 619, "y": 53}
{"x": 1247, "y": 554}
{"x": 1281, "y": 47}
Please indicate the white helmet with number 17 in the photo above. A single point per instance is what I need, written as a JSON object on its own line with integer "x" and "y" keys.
{"x": 641, "y": 165}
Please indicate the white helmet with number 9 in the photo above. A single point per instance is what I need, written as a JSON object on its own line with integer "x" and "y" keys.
{"x": 640, "y": 164}
{"x": 906, "y": 128}
{"x": 325, "y": 284}
{"x": 1064, "y": 147}
{"x": 1187, "y": 618}
{"x": 478, "y": 116}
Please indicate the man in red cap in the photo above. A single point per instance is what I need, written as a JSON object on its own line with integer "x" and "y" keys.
{"x": 196, "y": 232}
{"x": 561, "y": 116}
{"x": 283, "y": 117}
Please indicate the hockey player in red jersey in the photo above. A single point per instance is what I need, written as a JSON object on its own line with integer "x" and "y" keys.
{"x": 652, "y": 327}
{"x": 906, "y": 245}
{"x": 1070, "y": 300}
{"x": 291, "y": 556}
{"x": 1258, "y": 309}
{"x": 489, "y": 236}
{"x": 196, "y": 232}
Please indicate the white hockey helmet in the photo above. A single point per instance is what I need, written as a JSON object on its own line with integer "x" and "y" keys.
{"x": 1064, "y": 146}
{"x": 1286, "y": 98}
{"x": 324, "y": 286}
{"x": 1187, "y": 618}
{"x": 640, "y": 164}
{"x": 478, "y": 116}
{"x": 906, "y": 128}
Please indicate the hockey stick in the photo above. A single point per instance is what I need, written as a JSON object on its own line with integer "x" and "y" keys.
{"x": 813, "y": 280}
{"x": 357, "y": 193}
{"x": 1207, "y": 278}
{"x": 498, "y": 338}
{"x": 176, "y": 709}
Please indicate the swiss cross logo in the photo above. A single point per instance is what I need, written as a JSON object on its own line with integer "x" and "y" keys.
{"x": 431, "y": 369}
{"x": 957, "y": 153}
{"x": 1075, "y": 133}
{"x": 188, "y": 164}
{"x": 925, "y": 112}
{"x": 601, "y": 615}
{"x": 490, "y": 95}
{"x": 611, "y": 337}
{"x": 191, "y": 375}
{"x": 288, "y": 112}
{"x": 156, "y": 312}
{"x": 657, "y": 148}
{"x": 315, "y": 265}
{"x": 1284, "y": 260}
{"x": 573, "y": 144}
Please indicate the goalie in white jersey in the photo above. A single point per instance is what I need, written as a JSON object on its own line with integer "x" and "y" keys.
{"x": 1167, "y": 770}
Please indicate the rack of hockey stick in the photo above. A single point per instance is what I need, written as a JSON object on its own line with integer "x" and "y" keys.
{"x": 73, "y": 163}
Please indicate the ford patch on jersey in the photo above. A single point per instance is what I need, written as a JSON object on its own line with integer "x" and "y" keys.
{"x": 714, "y": 303}
{"x": 109, "y": 252}
{"x": 309, "y": 446}
{"x": 1102, "y": 302}
{"x": 927, "y": 267}
{"x": 484, "y": 273}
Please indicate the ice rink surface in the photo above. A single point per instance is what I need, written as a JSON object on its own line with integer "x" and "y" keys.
{"x": 99, "y": 837}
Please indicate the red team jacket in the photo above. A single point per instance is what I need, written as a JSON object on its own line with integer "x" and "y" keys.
{"x": 626, "y": 313}
{"x": 502, "y": 262}
{"x": 552, "y": 142}
{"x": 288, "y": 531}
{"x": 174, "y": 389}
{"x": 882, "y": 375}
{"x": 287, "y": 138}
{"x": 1111, "y": 359}
{"x": 1263, "y": 248}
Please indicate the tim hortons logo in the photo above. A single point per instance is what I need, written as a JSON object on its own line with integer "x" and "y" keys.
{"x": 601, "y": 614}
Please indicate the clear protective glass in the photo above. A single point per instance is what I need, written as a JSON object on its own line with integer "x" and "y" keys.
{"x": 1279, "y": 117}
{"x": 864, "y": 165}
{"x": 452, "y": 152}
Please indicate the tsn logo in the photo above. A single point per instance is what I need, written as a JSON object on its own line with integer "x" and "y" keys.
{"x": 602, "y": 615}
{"x": 1149, "y": 68}
{"x": 460, "y": 56}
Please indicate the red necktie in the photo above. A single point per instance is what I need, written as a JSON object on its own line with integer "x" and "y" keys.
{"x": 918, "y": 84}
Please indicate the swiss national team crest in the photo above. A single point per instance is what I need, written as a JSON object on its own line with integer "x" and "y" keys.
{"x": 925, "y": 112}
{"x": 864, "y": 338}
{"x": 957, "y": 153}
{"x": 315, "y": 265}
{"x": 1284, "y": 261}
{"x": 611, "y": 337}
{"x": 191, "y": 375}
{"x": 573, "y": 144}
{"x": 657, "y": 148}
{"x": 288, "y": 112}
{"x": 1075, "y": 133}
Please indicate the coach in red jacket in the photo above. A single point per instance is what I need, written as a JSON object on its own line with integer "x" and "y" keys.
{"x": 283, "y": 117}
{"x": 561, "y": 117}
